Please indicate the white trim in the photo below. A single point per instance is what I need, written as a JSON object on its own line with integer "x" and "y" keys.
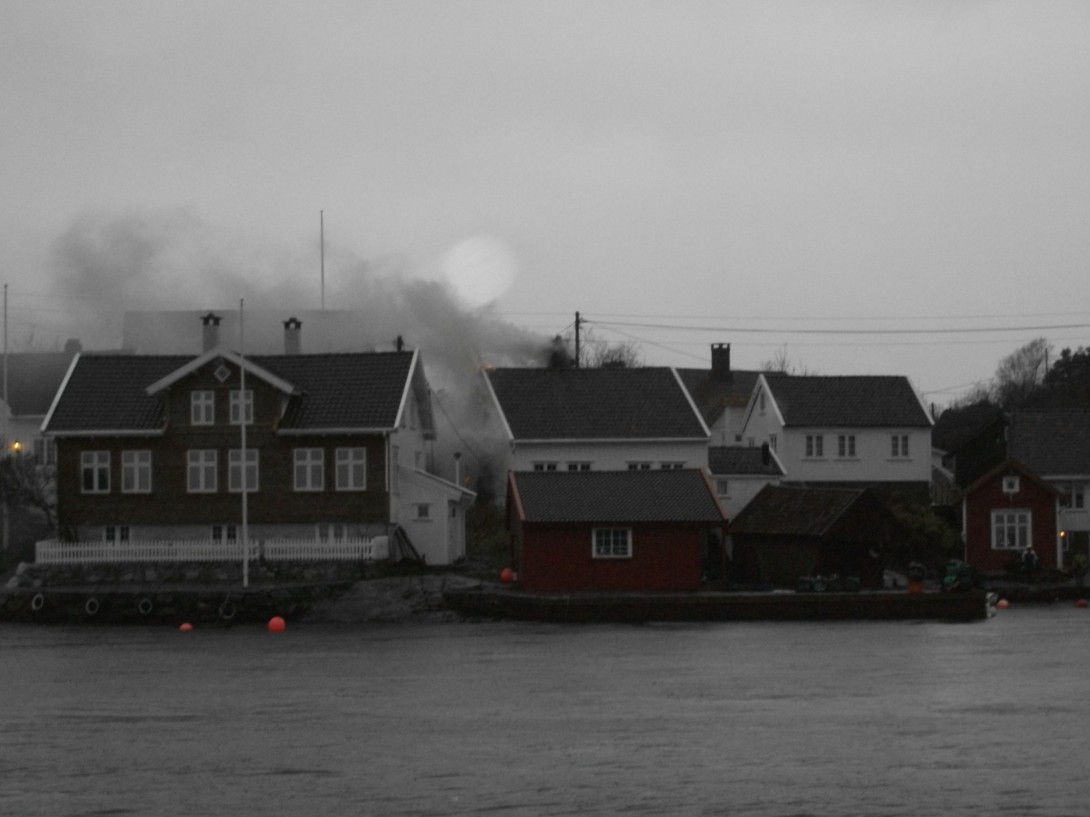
{"x": 217, "y": 352}
{"x": 499, "y": 407}
{"x": 689, "y": 399}
{"x": 60, "y": 391}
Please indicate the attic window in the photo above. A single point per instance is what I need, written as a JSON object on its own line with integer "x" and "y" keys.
{"x": 222, "y": 373}
{"x": 1011, "y": 485}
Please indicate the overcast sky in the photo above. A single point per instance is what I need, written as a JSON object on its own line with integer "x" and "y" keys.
{"x": 734, "y": 166}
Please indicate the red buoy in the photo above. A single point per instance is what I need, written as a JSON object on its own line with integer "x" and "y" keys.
{"x": 186, "y": 627}
{"x": 277, "y": 624}
{"x": 1003, "y": 604}
{"x": 1082, "y": 603}
{"x": 507, "y": 575}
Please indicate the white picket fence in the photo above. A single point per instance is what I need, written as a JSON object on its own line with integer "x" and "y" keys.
{"x": 53, "y": 552}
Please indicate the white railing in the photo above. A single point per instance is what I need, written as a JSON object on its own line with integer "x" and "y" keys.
{"x": 53, "y": 552}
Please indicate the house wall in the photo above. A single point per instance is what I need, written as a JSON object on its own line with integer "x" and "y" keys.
{"x": 740, "y": 490}
{"x": 605, "y": 456}
{"x": 978, "y": 523}
{"x": 558, "y": 559}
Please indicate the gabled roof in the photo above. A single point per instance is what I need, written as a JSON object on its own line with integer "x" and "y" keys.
{"x": 224, "y": 355}
{"x": 1010, "y": 467}
{"x": 349, "y": 391}
{"x": 595, "y": 404}
{"x": 847, "y": 401}
{"x": 744, "y": 461}
{"x": 713, "y": 393}
{"x": 1052, "y": 442}
{"x": 609, "y": 497}
{"x": 780, "y": 510}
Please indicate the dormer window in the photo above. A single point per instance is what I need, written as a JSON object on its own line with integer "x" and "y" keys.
{"x": 202, "y": 408}
{"x": 242, "y": 404}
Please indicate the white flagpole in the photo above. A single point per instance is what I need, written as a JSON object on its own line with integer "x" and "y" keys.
{"x": 242, "y": 453}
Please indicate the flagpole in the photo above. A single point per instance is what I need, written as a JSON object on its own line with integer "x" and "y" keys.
{"x": 242, "y": 454}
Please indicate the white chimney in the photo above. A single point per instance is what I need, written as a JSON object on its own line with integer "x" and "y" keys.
{"x": 293, "y": 340}
{"x": 211, "y": 323}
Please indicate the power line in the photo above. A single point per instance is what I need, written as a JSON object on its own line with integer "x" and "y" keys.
{"x": 795, "y": 331}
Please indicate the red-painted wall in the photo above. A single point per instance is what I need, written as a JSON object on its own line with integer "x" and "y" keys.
{"x": 559, "y": 560}
{"x": 989, "y": 496}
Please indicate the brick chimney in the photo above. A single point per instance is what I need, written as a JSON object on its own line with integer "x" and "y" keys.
{"x": 721, "y": 362}
{"x": 293, "y": 336}
{"x": 211, "y": 337}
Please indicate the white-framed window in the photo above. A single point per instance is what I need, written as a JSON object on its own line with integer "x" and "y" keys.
{"x": 45, "y": 451}
{"x": 234, "y": 470}
{"x": 309, "y": 469}
{"x": 240, "y": 403}
{"x": 224, "y": 533}
{"x": 845, "y": 446}
{"x": 639, "y": 466}
{"x": 671, "y": 466}
{"x": 201, "y": 470}
{"x": 612, "y": 543}
{"x": 136, "y": 472}
{"x": 202, "y": 407}
{"x": 94, "y": 467}
{"x": 772, "y": 441}
{"x": 815, "y": 445}
{"x": 351, "y": 469}
{"x": 1072, "y": 495}
{"x": 1012, "y": 484}
{"x": 578, "y": 466}
{"x": 898, "y": 446}
{"x": 115, "y": 534}
{"x": 1012, "y": 529}
{"x": 544, "y": 466}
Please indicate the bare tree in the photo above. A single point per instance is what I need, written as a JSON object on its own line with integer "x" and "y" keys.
{"x": 1021, "y": 373}
{"x": 781, "y": 363}
{"x": 24, "y": 483}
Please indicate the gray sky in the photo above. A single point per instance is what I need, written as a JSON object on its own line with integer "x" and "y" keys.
{"x": 730, "y": 165}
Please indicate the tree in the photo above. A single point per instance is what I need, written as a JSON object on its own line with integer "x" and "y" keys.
{"x": 1021, "y": 373}
{"x": 23, "y": 483}
{"x": 781, "y": 363}
{"x": 594, "y": 352}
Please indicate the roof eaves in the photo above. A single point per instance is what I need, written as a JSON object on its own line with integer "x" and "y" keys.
{"x": 239, "y": 360}
{"x": 60, "y": 391}
{"x": 689, "y": 400}
{"x": 498, "y": 405}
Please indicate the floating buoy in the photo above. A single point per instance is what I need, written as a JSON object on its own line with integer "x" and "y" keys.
{"x": 145, "y": 606}
{"x": 38, "y": 602}
{"x": 91, "y": 606}
{"x": 507, "y": 575}
{"x": 227, "y": 611}
{"x": 1003, "y": 604}
{"x": 186, "y": 627}
{"x": 1082, "y": 603}
{"x": 277, "y": 624}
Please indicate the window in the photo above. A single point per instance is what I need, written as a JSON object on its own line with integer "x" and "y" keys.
{"x": 309, "y": 469}
{"x": 240, "y": 401}
{"x": 201, "y": 471}
{"x": 845, "y": 446}
{"x": 423, "y": 511}
{"x": 202, "y": 408}
{"x": 95, "y": 472}
{"x": 722, "y": 487}
{"x": 612, "y": 543}
{"x": 136, "y": 472}
{"x": 351, "y": 469}
{"x": 45, "y": 450}
{"x": 234, "y": 470}
{"x": 224, "y": 533}
{"x": 815, "y": 445}
{"x": 761, "y": 399}
{"x": 899, "y": 446}
{"x": 115, "y": 534}
{"x": 578, "y": 466}
{"x": 544, "y": 466}
{"x": 639, "y": 466}
{"x": 1072, "y": 495}
{"x": 1011, "y": 530}
{"x": 772, "y": 441}
{"x": 671, "y": 466}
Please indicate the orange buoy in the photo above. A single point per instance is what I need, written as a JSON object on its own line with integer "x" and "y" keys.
{"x": 277, "y": 624}
{"x": 186, "y": 627}
{"x": 507, "y": 575}
{"x": 1003, "y": 604}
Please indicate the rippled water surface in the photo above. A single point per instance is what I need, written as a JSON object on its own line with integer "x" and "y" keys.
{"x": 765, "y": 719}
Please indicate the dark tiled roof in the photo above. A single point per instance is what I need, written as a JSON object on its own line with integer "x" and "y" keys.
{"x": 957, "y": 426}
{"x": 738, "y": 459}
{"x": 616, "y": 496}
{"x": 713, "y": 393}
{"x": 108, "y": 392}
{"x": 792, "y": 511}
{"x": 1051, "y": 442}
{"x": 847, "y": 401}
{"x": 595, "y": 404}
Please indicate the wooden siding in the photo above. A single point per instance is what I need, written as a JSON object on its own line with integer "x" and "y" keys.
{"x": 989, "y": 496}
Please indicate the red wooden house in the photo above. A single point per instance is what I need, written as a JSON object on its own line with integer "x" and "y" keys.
{"x": 582, "y": 531}
{"x": 1007, "y": 510}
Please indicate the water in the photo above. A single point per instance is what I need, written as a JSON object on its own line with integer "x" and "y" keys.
{"x": 857, "y": 718}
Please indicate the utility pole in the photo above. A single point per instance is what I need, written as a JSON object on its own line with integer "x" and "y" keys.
{"x": 578, "y": 320}
{"x": 321, "y": 239}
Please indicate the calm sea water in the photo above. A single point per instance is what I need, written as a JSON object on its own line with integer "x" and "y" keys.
{"x": 863, "y": 718}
